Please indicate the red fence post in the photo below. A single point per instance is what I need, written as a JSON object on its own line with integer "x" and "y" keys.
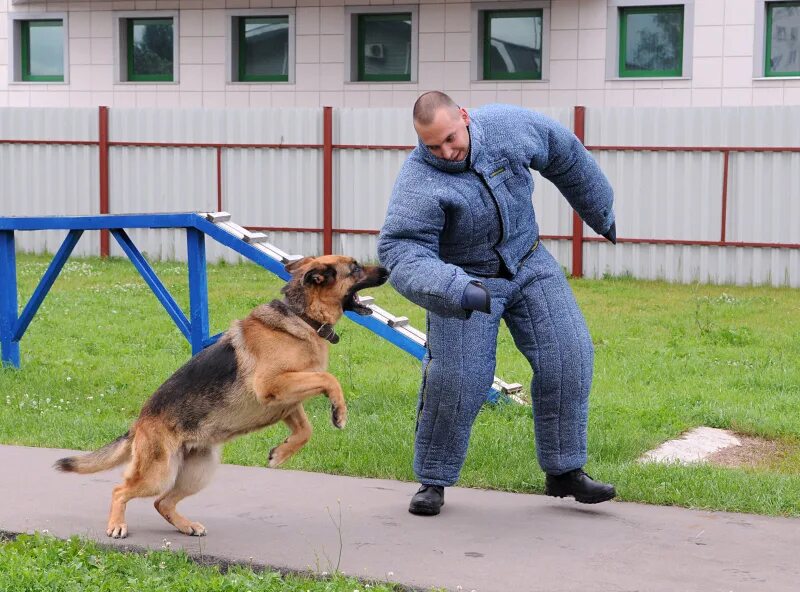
{"x": 725, "y": 158}
{"x": 577, "y": 223}
{"x": 103, "y": 150}
{"x": 327, "y": 180}
{"x": 219, "y": 178}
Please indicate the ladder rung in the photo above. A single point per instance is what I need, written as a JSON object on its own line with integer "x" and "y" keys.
{"x": 232, "y": 228}
{"x": 276, "y": 253}
{"x": 216, "y": 216}
{"x": 399, "y": 322}
{"x": 254, "y": 237}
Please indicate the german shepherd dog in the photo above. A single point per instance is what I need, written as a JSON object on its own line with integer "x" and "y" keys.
{"x": 258, "y": 373}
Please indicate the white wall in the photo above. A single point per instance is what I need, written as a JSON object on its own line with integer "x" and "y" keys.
{"x": 723, "y": 40}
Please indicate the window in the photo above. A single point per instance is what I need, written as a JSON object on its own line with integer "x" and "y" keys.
{"x": 782, "y": 39}
{"x": 38, "y": 47}
{"x": 147, "y": 46}
{"x": 512, "y": 45}
{"x": 42, "y": 51}
{"x": 150, "y": 49}
{"x": 261, "y": 48}
{"x": 383, "y": 47}
{"x": 651, "y": 41}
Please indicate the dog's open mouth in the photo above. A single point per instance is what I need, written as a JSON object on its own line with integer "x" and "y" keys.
{"x": 353, "y": 302}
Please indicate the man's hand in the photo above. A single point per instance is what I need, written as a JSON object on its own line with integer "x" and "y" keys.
{"x": 476, "y": 297}
{"x": 611, "y": 234}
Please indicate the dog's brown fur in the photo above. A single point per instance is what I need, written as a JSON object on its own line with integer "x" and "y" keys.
{"x": 258, "y": 373}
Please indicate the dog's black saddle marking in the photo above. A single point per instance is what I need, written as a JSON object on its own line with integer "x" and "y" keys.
{"x": 197, "y": 387}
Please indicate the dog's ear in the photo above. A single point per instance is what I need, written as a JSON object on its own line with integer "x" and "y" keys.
{"x": 293, "y": 266}
{"x": 320, "y": 276}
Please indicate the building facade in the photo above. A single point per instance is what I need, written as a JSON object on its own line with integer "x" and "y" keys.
{"x": 379, "y": 53}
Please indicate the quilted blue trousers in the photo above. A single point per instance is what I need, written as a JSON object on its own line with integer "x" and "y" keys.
{"x": 548, "y": 328}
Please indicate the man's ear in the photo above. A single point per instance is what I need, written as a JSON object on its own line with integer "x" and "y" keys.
{"x": 293, "y": 266}
{"x": 320, "y": 276}
{"x": 464, "y": 115}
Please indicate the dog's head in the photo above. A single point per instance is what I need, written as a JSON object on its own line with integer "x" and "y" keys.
{"x": 326, "y": 286}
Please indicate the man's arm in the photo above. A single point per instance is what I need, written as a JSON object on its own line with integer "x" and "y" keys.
{"x": 408, "y": 246}
{"x": 560, "y": 157}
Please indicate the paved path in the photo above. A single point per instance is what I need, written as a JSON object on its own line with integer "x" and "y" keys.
{"x": 483, "y": 540}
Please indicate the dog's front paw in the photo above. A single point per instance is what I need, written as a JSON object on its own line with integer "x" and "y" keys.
{"x": 339, "y": 416}
{"x": 193, "y": 529}
{"x": 117, "y": 531}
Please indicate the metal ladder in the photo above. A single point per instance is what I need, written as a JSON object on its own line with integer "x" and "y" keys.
{"x": 400, "y": 326}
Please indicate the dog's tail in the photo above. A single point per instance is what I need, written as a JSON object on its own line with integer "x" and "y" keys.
{"x": 109, "y": 456}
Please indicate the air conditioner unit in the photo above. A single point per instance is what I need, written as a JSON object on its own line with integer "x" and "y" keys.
{"x": 374, "y": 50}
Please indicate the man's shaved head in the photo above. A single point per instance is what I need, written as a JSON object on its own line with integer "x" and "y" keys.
{"x": 429, "y": 103}
{"x": 442, "y": 126}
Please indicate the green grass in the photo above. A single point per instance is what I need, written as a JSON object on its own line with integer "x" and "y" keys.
{"x": 668, "y": 358}
{"x": 40, "y": 562}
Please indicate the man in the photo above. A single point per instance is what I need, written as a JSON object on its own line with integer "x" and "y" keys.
{"x": 460, "y": 237}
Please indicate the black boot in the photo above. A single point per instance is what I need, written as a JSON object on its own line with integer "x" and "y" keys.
{"x": 580, "y": 486}
{"x": 427, "y": 501}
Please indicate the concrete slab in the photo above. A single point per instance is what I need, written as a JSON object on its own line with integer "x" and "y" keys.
{"x": 483, "y": 540}
{"x": 696, "y": 445}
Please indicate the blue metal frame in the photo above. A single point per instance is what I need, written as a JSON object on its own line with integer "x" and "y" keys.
{"x": 195, "y": 329}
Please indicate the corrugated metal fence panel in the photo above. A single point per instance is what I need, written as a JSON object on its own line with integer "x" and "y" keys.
{"x": 49, "y": 179}
{"x": 260, "y": 187}
{"x": 271, "y": 187}
{"x": 280, "y": 188}
{"x": 678, "y": 195}
{"x": 764, "y": 197}
{"x": 363, "y": 179}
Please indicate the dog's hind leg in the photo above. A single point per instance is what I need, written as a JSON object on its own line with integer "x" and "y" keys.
{"x": 152, "y": 470}
{"x": 295, "y": 387}
{"x": 301, "y": 432}
{"x": 195, "y": 472}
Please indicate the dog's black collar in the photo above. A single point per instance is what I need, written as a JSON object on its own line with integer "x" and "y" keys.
{"x": 324, "y": 330}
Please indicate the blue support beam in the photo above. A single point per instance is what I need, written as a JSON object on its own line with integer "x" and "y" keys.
{"x": 46, "y": 282}
{"x": 101, "y": 222}
{"x": 9, "y": 347}
{"x": 198, "y": 289}
{"x": 161, "y": 292}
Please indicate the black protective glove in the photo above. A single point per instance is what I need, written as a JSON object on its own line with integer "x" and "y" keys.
{"x": 611, "y": 234}
{"x": 476, "y": 297}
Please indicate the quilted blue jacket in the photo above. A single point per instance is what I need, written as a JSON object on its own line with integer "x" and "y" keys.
{"x": 446, "y": 226}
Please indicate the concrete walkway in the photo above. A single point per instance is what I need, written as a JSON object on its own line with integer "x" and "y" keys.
{"x": 483, "y": 540}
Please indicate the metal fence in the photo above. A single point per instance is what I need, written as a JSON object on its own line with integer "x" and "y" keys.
{"x": 706, "y": 195}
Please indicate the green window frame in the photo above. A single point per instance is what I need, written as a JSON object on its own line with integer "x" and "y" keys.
{"x": 768, "y": 70}
{"x": 133, "y": 76}
{"x": 25, "y": 51}
{"x": 363, "y": 20}
{"x": 241, "y": 25}
{"x": 488, "y": 72}
{"x": 624, "y": 12}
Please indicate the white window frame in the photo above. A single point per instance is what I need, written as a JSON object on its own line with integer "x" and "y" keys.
{"x": 351, "y": 39}
{"x": 232, "y": 43}
{"x": 15, "y": 50}
{"x": 121, "y": 44}
{"x": 476, "y": 66}
{"x": 612, "y": 39}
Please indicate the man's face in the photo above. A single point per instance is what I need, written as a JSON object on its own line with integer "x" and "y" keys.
{"x": 446, "y": 136}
